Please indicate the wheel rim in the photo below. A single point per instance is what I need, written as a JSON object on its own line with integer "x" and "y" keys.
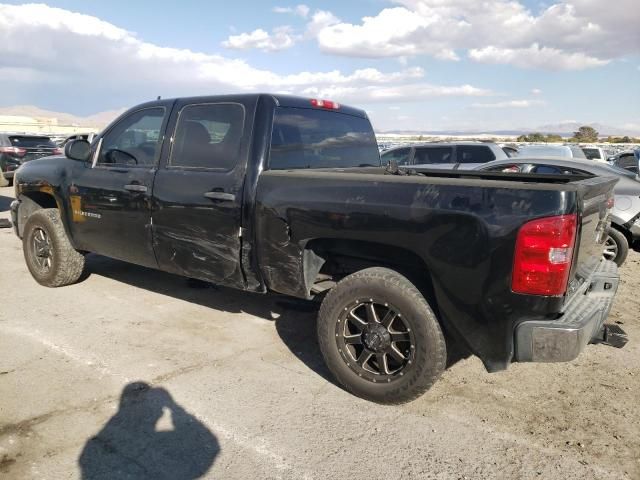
{"x": 610, "y": 249}
{"x": 41, "y": 249}
{"x": 375, "y": 341}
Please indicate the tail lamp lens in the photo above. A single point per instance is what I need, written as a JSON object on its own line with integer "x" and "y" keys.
{"x": 15, "y": 151}
{"x": 544, "y": 250}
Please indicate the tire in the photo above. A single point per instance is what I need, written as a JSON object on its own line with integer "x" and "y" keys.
{"x": 51, "y": 259}
{"x": 616, "y": 247}
{"x": 407, "y": 359}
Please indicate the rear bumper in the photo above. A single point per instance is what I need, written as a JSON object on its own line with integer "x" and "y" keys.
{"x": 564, "y": 339}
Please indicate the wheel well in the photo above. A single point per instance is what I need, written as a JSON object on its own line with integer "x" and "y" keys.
{"x": 29, "y": 203}
{"x": 327, "y": 261}
{"x": 43, "y": 200}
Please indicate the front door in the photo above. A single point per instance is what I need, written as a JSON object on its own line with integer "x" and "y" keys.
{"x": 110, "y": 201}
{"x": 198, "y": 193}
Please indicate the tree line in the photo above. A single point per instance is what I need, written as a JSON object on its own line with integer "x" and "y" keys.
{"x": 585, "y": 134}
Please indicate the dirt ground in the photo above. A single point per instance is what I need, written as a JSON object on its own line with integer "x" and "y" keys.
{"x": 133, "y": 374}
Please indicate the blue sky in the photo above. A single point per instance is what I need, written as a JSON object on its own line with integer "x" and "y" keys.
{"x": 412, "y": 64}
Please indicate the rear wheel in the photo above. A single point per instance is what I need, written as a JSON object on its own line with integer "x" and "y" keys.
{"x": 50, "y": 257}
{"x": 380, "y": 338}
{"x": 616, "y": 247}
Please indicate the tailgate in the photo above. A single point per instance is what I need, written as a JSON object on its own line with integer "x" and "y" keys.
{"x": 595, "y": 199}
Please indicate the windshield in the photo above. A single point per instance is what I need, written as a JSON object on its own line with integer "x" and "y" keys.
{"x": 592, "y": 153}
{"x": 306, "y": 138}
{"x": 31, "y": 142}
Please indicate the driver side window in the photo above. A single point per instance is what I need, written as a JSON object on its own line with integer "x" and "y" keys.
{"x": 135, "y": 140}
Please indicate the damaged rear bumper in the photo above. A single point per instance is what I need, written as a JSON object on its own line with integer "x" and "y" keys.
{"x": 581, "y": 322}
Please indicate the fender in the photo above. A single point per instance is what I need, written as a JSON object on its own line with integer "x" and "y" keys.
{"x": 43, "y": 184}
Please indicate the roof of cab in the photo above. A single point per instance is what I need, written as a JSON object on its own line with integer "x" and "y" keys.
{"x": 280, "y": 100}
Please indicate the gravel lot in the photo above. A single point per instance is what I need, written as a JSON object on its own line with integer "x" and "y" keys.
{"x": 234, "y": 387}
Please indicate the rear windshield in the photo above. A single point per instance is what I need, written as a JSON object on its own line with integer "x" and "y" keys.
{"x": 306, "y": 138}
{"x": 592, "y": 153}
{"x": 31, "y": 142}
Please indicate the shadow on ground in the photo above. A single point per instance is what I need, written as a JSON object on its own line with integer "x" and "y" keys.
{"x": 5, "y": 202}
{"x": 295, "y": 319}
{"x": 133, "y": 444}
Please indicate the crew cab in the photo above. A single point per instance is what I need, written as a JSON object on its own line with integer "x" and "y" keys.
{"x": 272, "y": 193}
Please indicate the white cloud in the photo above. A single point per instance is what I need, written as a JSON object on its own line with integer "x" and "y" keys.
{"x": 536, "y": 56}
{"x": 320, "y": 20}
{"x": 280, "y": 39}
{"x": 114, "y": 60}
{"x": 300, "y": 10}
{"x": 536, "y": 91}
{"x": 568, "y": 35}
{"x": 510, "y": 104}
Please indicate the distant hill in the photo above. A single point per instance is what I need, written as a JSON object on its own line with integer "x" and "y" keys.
{"x": 97, "y": 120}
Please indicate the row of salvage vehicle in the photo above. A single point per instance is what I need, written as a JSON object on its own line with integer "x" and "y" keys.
{"x": 273, "y": 193}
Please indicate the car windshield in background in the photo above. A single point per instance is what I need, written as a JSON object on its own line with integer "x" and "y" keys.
{"x": 305, "y": 138}
{"x": 544, "y": 151}
{"x": 591, "y": 153}
{"x": 31, "y": 142}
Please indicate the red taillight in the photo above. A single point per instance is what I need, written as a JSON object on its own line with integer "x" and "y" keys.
{"x": 58, "y": 151}
{"x": 15, "y": 151}
{"x": 328, "y": 104}
{"x": 544, "y": 249}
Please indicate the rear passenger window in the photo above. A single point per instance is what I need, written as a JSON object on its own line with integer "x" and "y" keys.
{"x": 208, "y": 136}
{"x": 475, "y": 154}
{"x": 433, "y": 155}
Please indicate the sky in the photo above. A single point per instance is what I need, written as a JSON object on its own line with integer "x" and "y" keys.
{"x": 427, "y": 65}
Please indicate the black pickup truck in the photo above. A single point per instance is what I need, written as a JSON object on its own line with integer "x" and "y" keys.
{"x": 272, "y": 193}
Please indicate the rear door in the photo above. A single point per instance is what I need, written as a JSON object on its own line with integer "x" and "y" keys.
{"x": 198, "y": 192}
{"x": 110, "y": 199}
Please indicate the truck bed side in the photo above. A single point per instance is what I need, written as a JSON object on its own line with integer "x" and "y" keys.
{"x": 459, "y": 232}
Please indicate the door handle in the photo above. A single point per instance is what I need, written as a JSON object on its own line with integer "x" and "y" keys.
{"x": 136, "y": 188}
{"x": 229, "y": 197}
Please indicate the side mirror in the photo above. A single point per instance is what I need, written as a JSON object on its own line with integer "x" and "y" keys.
{"x": 78, "y": 150}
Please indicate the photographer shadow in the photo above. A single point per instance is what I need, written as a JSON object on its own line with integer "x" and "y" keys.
{"x": 150, "y": 437}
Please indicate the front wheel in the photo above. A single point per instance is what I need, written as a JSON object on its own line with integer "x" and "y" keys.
{"x": 50, "y": 257}
{"x": 616, "y": 247}
{"x": 380, "y": 338}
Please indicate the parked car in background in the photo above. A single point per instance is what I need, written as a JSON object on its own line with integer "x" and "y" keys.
{"x": 594, "y": 153}
{"x": 625, "y": 215}
{"x": 557, "y": 151}
{"x": 15, "y": 149}
{"x": 462, "y": 155}
{"x": 629, "y": 160}
{"x": 77, "y": 136}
